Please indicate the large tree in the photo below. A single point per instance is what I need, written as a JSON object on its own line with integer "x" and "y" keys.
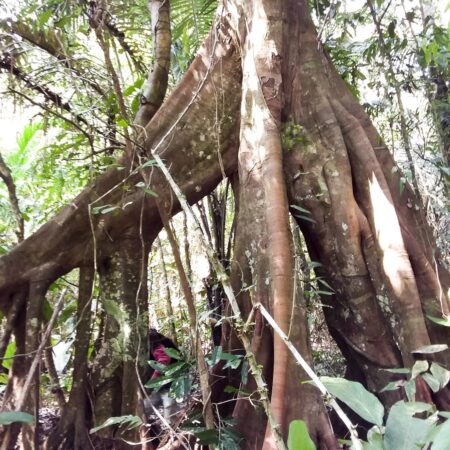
{"x": 263, "y": 104}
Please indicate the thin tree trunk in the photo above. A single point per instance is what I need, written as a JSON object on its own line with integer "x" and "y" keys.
{"x": 165, "y": 281}
{"x": 73, "y": 424}
{"x": 196, "y": 342}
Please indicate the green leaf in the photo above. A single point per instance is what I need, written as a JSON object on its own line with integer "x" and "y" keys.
{"x": 175, "y": 354}
{"x": 129, "y": 420}
{"x": 122, "y": 123}
{"x": 391, "y": 29}
{"x": 402, "y": 370}
{"x": 141, "y": 185}
{"x": 181, "y": 387}
{"x": 42, "y": 18}
{"x": 215, "y": 355}
{"x": 356, "y": 397}
{"x": 440, "y": 321}
{"x": 419, "y": 367}
{"x": 157, "y": 366}
{"x": 441, "y": 374}
{"x": 207, "y": 437}
{"x": 393, "y": 385}
{"x": 410, "y": 389}
{"x": 403, "y": 431}
{"x": 173, "y": 369}
{"x": 299, "y": 438}
{"x": 159, "y": 382}
{"x": 231, "y": 390}
{"x": 303, "y": 217}
{"x": 109, "y": 209}
{"x": 322, "y": 281}
{"x": 431, "y": 381}
{"x": 149, "y": 163}
{"x": 9, "y": 354}
{"x": 104, "y": 209}
{"x": 436, "y": 348}
{"x": 299, "y": 208}
{"x": 8, "y": 417}
{"x": 374, "y": 440}
{"x": 47, "y": 310}
{"x": 441, "y": 440}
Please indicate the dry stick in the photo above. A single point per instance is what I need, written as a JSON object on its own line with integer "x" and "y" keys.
{"x": 196, "y": 341}
{"x": 351, "y": 428}
{"x": 37, "y": 356}
{"x": 224, "y": 279}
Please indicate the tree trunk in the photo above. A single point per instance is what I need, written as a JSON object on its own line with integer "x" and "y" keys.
{"x": 122, "y": 353}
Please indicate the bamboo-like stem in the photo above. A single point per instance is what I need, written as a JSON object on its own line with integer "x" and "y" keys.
{"x": 299, "y": 358}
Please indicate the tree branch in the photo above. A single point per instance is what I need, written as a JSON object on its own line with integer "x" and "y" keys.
{"x": 6, "y": 176}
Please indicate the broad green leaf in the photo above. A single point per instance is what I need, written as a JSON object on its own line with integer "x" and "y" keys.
{"x": 356, "y": 397}
{"x": 432, "y": 382}
{"x": 440, "y": 321}
{"x": 374, "y": 440}
{"x": 181, "y": 387}
{"x": 8, "y": 417}
{"x": 431, "y": 348}
{"x": 299, "y": 438}
{"x": 412, "y": 408}
{"x": 403, "y": 431}
{"x": 216, "y": 354}
{"x": 410, "y": 389}
{"x": 174, "y": 368}
{"x": 157, "y": 366}
{"x": 440, "y": 374}
{"x": 159, "y": 382}
{"x": 9, "y": 354}
{"x": 418, "y": 368}
{"x": 175, "y": 354}
{"x": 207, "y": 437}
{"x": 129, "y": 420}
